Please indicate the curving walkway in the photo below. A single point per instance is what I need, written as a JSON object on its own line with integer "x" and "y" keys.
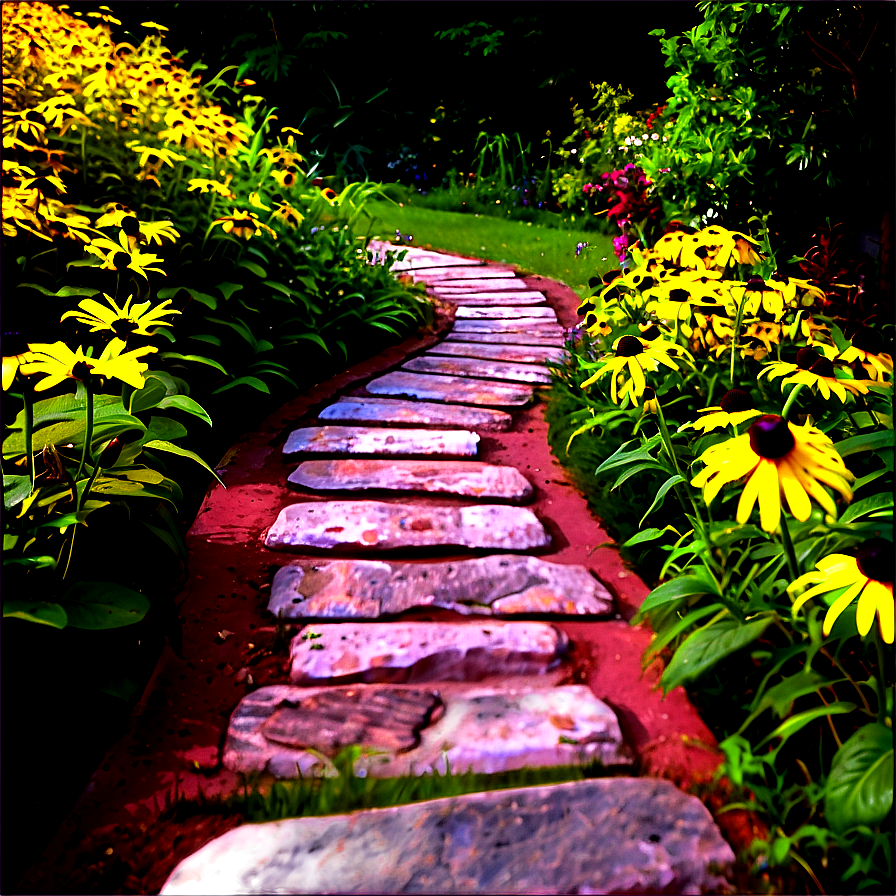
{"x": 451, "y": 607}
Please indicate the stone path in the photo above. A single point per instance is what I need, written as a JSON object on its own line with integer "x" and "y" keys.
{"x": 424, "y": 697}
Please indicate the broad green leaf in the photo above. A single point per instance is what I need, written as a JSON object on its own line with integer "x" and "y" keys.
{"x": 101, "y": 605}
{"x": 40, "y": 611}
{"x": 859, "y": 789}
{"x": 873, "y": 505}
{"x": 228, "y": 289}
{"x": 199, "y": 359}
{"x": 72, "y": 433}
{"x": 186, "y": 404}
{"x": 128, "y": 488}
{"x": 69, "y": 407}
{"x": 671, "y": 482}
{"x": 252, "y": 381}
{"x": 801, "y": 719}
{"x": 64, "y": 292}
{"x": 256, "y": 269}
{"x": 169, "y": 292}
{"x": 781, "y": 696}
{"x": 163, "y": 428}
{"x": 869, "y": 441}
{"x": 646, "y": 535}
{"x": 862, "y": 481}
{"x": 708, "y": 646}
{"x": 153, "y": 391}
{"x": 673, "y": 631}
{"x": 206, "y": 337}
{"x": 41, "y": 562}
{"x": 161, "y": 445}
{"x": 690, "y": 585}
{"x": 634, "y": 470}
{"x": 15, "y": 490}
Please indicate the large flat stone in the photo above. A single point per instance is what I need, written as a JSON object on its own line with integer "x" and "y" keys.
{"x": 454, "y": 272}
{"x": 375, "y": 525}
{"x": 605, "y": 835}
{"x": 496, "y": 585}
{"x": 504, "y": 312}
{"x": 521, "y": 354}
{"x": 541, "y": 327}
{"x": 469, "y": 478}
{"x": 389, "y": 410}
{"x": 423, "y": 651}
{"x": 491, "y": 284}
{"x": 454, "y": 389}
{"x": 491, "y": 298}
{"x": 367, "y": 440}
{"x": 289, "y": 731}
{"x": 507, "y": 338}
{"x": 498, "y": 370}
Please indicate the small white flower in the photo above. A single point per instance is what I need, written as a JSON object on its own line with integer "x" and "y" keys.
{"x": 654, "y": 136}
{"x": 637, "y": 142}
{"x": 628, "y": 141}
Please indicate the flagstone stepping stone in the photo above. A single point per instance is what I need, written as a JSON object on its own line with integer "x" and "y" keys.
{"x": 451, "y": 389}
{"x": 290, "y": 731}
{"x": 380, "y": 526}
{"x": 470, "y": 272}
{"x": 522, "y": 354}
{"x": 542, "y": 327}
{"x": 507, "y": 338}
{"x": 490, "y": 298}
{"x": 499, "y": 584}
{"x": 604, "y": 835}
{"x": 472, "y": 479}
{"x": 500, "y": 370}
{"x": 367, "y": 440}
{"x": 389, "y": 410}
{"x": 508, "y": 285}
{"x": 423, "y": 651}
{"x": 504, "y": 312}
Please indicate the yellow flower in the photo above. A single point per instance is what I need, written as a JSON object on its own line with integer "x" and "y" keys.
{"x": 158, "y": 231}
{"x": 204, "y": 186}
{"x": 120, "y": 257}
{"x": 18, "y": 356}
{"x": 60, "y": 363}
{"x": 867, "y": 348}
{"x": 817, "y": 371}
{"x": 735, "y": 406}
{"x": 255, "y": 200}
{"x": 286, "y": 213}
{"x": 637, "y": 356}
{"x": 112, "y": 215}
{"x": 131, "y": 320}
{"x": 868, "y": 576}
{"x": 761, "y": 336}
{"x": 780, "y": 461}
{"x": 243, "y": 225}
{"x": 154, "y": 155}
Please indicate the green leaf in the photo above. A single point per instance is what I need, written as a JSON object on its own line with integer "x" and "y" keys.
{"x": 635, "y": 469}
{"x": 859, "y": 789}
{"x": 199, "y": 359}
{"x": 69, "y": 407}
{"x": 15, "y": 490}
{"x": 101, "y": 605}
{"x": 661, "y": 494}
{"x": 252, "y": 381}
{"x": 311, "y": 337}
{"x": 206, "y": 337}
{"x": 40, "y": 611}
{"x": 64, "y": 292}
{"x": 186, "y": 404}
{"x": 256, "y": 269}
{"x": 708, "y": 646}
{"x": 800, "y": 720}
{"x": 646, "y": 535}
{"x": 228, "y": 289}
{"x": 153, "y": 391}
{"x": 163, "y": 428}
{"x": 42, "y": 562}
{"x": 870, "y": 441}
{"x": 690, "y": 585}
{"x": 874, "y": 505}
{"x": 161, "y": 445}
{"x": 169, "y": 292}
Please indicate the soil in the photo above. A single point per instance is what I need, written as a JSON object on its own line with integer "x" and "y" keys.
{"x": 118, "y": 839}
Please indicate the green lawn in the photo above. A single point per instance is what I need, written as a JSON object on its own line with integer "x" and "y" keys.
{"x": 534, "y": 248}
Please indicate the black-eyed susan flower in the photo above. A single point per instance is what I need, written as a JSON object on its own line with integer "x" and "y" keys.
{"x": 59, "y": 363}
{"x": 130, "y": 320}
{"x": 867, "y": 577}
{"x": 159, "y": 232}
{"x": 256, "y": 201}
{"x": 243, "y": 225}
{"x": 205, "y": 186}
{"x": 712, "y": 333}
{"x": 112, "y": 215}
{"x": 867, "y": 349}
{"x": 734, "y": 407}
{"x": 154, "y": 155}
{"x": 760, "y": 336}
{"x": 288, "y": 215}
{"x": 781, "y": 461}
{"x": 817, "y": 371}
{"x": 15, "y": 353}
{"x": 121, "y": 257}
{"x": 636, "y": 356}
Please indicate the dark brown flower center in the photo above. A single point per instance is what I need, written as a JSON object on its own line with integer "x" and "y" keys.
{"x": 82, "y": 371}
{"x": 121, "y": 260}
{"x": 130, "y": 225}
{"x": 875, "y": 559}
{"x": 735, "y": 400}
{"x": 652, "y": 332}
{"x": 123, "y": 327}
{"x": 868, "y": 340}
{"x": 770, "y": 437}
{"x": 822, "y": 367}
{"x": 757, "y": 284}
{"x": 806, "y": 357}
{"x": 629, "y": 346}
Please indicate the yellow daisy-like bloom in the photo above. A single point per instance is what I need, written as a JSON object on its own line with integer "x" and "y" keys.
{"x": 18, "y": 355}
{"x": 204, "y": 186}
{"x": 255, "y": 200}
{"x": 159, "y": 231}
{"x": 868, "y": 576}
{"x": 637, "y": 356}
{"x": 243, "y": 225}
{"x": 121, "y": 257}
{"x": 112, "y": 215}
{"x": 290, "y": 216}
{"x": 131, "y": 320}
{"x": 155, "y": 155}
{"x": 761, "y": 335}
{"x": 816, "y": 371}
{"x": 867, "y": 348}
{"x": 735, "y": 406}
{"x": 60, "y": 363}
{"x": 780, "y": 461}
{"x": 712, "y": 333}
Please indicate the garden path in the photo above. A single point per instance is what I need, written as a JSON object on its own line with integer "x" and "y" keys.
{"x": 450, "y": 614}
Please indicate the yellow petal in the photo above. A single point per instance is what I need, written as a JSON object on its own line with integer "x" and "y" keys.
{"x": 797, "y": 499}
{"x": 865, "y": 610}
{"x": 748, "y": 495}
{"x": 840, "y": 605}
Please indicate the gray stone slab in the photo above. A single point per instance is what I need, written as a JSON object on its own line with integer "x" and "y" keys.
{"x": 454, "y": 389}
{"x": 470, "y": 272}
{"x": 471, "y": 479}
{"x": 504, "y": 312}
{"x": 605, "y": 835}
{"x": 541, "y": 327}
{"x": 368, "y": 440}
{"x": 478, "y": 299}
{"x": 499, "y": 584}
{"x": 390, "y": 410}
{"x": 289, "y": 731}
{"x": 402, "y": 652}
{"x": 499, "y": 370}
{"x": 522, "y": 354}
{"x": 507, "y": 339}
{"x": 506, "y": 284}
{"x": 375, "y": 525}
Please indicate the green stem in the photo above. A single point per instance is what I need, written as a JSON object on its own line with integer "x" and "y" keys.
{"x": 881, "y": 681}
{"x": 737, "y": 322}
{"x": 670, "y": 451}
{"x": 790, "y": 400}
{"x": 29, "y": 431}
{"x": 88, "y": 435}
{"x": 789, "y": 553}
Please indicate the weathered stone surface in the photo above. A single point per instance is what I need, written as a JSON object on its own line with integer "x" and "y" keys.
{"x": 451, "y": 389}
{"x": 496, "y": 585}
{"x": 367, "y": 440}
{"x": 605, "y": 835}
{"x": 541, "y": 327}
{"x": 389, "y": 410}
{"x": 472, "y": 728}
{"x": 507, "y": 338}
{"x": 498, "y": 370}
{"x": 521, "y": 354}
{"x": 469, "y": 478}
{"x": 379, "y": 526}
{"x": 491, "y": 298}
{"x": 423, "y": 651}
{"x": 491, "y": 284}
{"x": 505, "y": 312}
{"x": 471, "y": 272}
